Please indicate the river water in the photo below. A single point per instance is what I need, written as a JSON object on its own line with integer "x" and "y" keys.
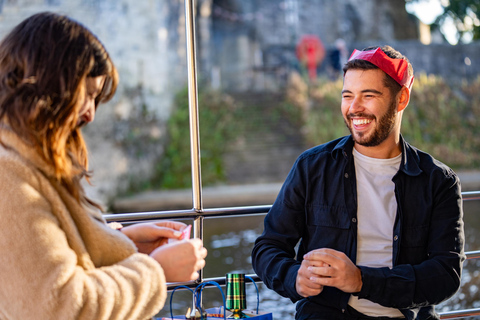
{"x": 229, "y": 243}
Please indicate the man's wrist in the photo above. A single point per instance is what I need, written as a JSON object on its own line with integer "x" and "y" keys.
{"x": 360, "y": 280}
{"x": 359, "y": 287}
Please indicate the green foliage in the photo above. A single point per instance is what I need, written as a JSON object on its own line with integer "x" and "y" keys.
{"x": 444, "y": 120}
{"x": 464, "y": 13}
{"x": 441, "y": 119}
{"x": 217, "y": 128}
{"x": 325, "y": 121}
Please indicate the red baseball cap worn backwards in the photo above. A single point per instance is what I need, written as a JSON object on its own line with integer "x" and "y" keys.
{"x": 395, "y": 68}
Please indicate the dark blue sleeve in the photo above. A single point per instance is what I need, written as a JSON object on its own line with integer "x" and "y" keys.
{"x": 273, "y": 256}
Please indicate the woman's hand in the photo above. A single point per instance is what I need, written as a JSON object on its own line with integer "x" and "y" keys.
{"x": 181, "y": 260}
{"x": 149, "y": 236}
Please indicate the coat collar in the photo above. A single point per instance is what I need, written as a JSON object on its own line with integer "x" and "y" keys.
{"x": 10, "y": 140}
{"x": 410, "y": 160}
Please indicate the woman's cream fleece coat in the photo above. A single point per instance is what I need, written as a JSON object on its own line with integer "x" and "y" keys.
{"x": 59, "y": 260}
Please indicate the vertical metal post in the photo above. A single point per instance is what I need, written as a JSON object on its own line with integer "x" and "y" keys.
{"x": 198, "y": 233}
{"x": 194, "y": 122}
{"x": 193, "y": 106}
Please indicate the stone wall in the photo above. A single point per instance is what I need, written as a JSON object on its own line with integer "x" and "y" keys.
{"x": 453, "y": 63}
{"x": 250, "y": 31}
{"x": 146, "y": 41}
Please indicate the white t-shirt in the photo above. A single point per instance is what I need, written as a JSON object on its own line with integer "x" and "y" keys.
{"x": 376, "y": 212}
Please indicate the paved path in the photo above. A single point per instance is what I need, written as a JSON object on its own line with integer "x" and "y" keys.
{"x": 230, "y": 196}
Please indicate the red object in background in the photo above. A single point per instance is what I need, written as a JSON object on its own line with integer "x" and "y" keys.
{"x": 311, "y": 52}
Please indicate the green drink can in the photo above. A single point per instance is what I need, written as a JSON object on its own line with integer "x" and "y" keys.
{"x": 236, "y": 300}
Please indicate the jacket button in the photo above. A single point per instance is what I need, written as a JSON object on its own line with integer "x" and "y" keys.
{"x": 354, "y": 220}
{"x": 395, "y": 238}
{"x": 346, "y": 175}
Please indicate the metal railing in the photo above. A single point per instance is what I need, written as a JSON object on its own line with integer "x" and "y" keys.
{"x": 198, "y": 217}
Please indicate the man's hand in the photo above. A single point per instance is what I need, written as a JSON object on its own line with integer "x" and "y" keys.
{"x": 304, "y": 285}
{"x": 336, "y": 271}
{"x": 149, "y": 236}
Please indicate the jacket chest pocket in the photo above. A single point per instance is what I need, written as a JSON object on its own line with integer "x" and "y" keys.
{"x": 328, "y": 227}
{"x": 413, "y": 244}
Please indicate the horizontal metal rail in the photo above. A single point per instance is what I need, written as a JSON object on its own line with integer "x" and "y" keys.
{"x": 185, "y": 214}
{"x": 471, "y": 195}
{"x": 460, "y": 313}
{"x": 216, "y": 212}
{"x": 221, "y": 280}
{"x": 472, "y": 255}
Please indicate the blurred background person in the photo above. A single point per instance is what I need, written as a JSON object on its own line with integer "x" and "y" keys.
{"x": 337, "y": 58}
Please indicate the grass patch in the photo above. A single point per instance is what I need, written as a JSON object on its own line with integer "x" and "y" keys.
{"x": 217, "y": 129}
{"x": 442, "y": 119}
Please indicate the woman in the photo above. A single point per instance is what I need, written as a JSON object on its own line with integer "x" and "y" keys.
{"x": 59, "y": 259}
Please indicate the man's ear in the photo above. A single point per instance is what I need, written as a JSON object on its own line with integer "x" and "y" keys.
{"x": 403, "y": 98}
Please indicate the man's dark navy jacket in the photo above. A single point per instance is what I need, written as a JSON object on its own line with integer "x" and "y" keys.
{"x": 318, "y": 205}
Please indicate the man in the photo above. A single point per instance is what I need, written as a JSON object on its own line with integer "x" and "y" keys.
{"x": 379, "y": 221}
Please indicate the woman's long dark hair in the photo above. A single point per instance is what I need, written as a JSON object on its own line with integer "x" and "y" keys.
{"x": 44, "y": 62}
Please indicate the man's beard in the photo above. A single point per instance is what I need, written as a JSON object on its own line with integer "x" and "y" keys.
{"x": 384, "y": 127}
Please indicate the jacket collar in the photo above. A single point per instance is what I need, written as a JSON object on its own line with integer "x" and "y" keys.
{"x": 410, "y": 160}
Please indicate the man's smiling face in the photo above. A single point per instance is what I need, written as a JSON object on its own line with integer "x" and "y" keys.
{"x": 369, "y": 110}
